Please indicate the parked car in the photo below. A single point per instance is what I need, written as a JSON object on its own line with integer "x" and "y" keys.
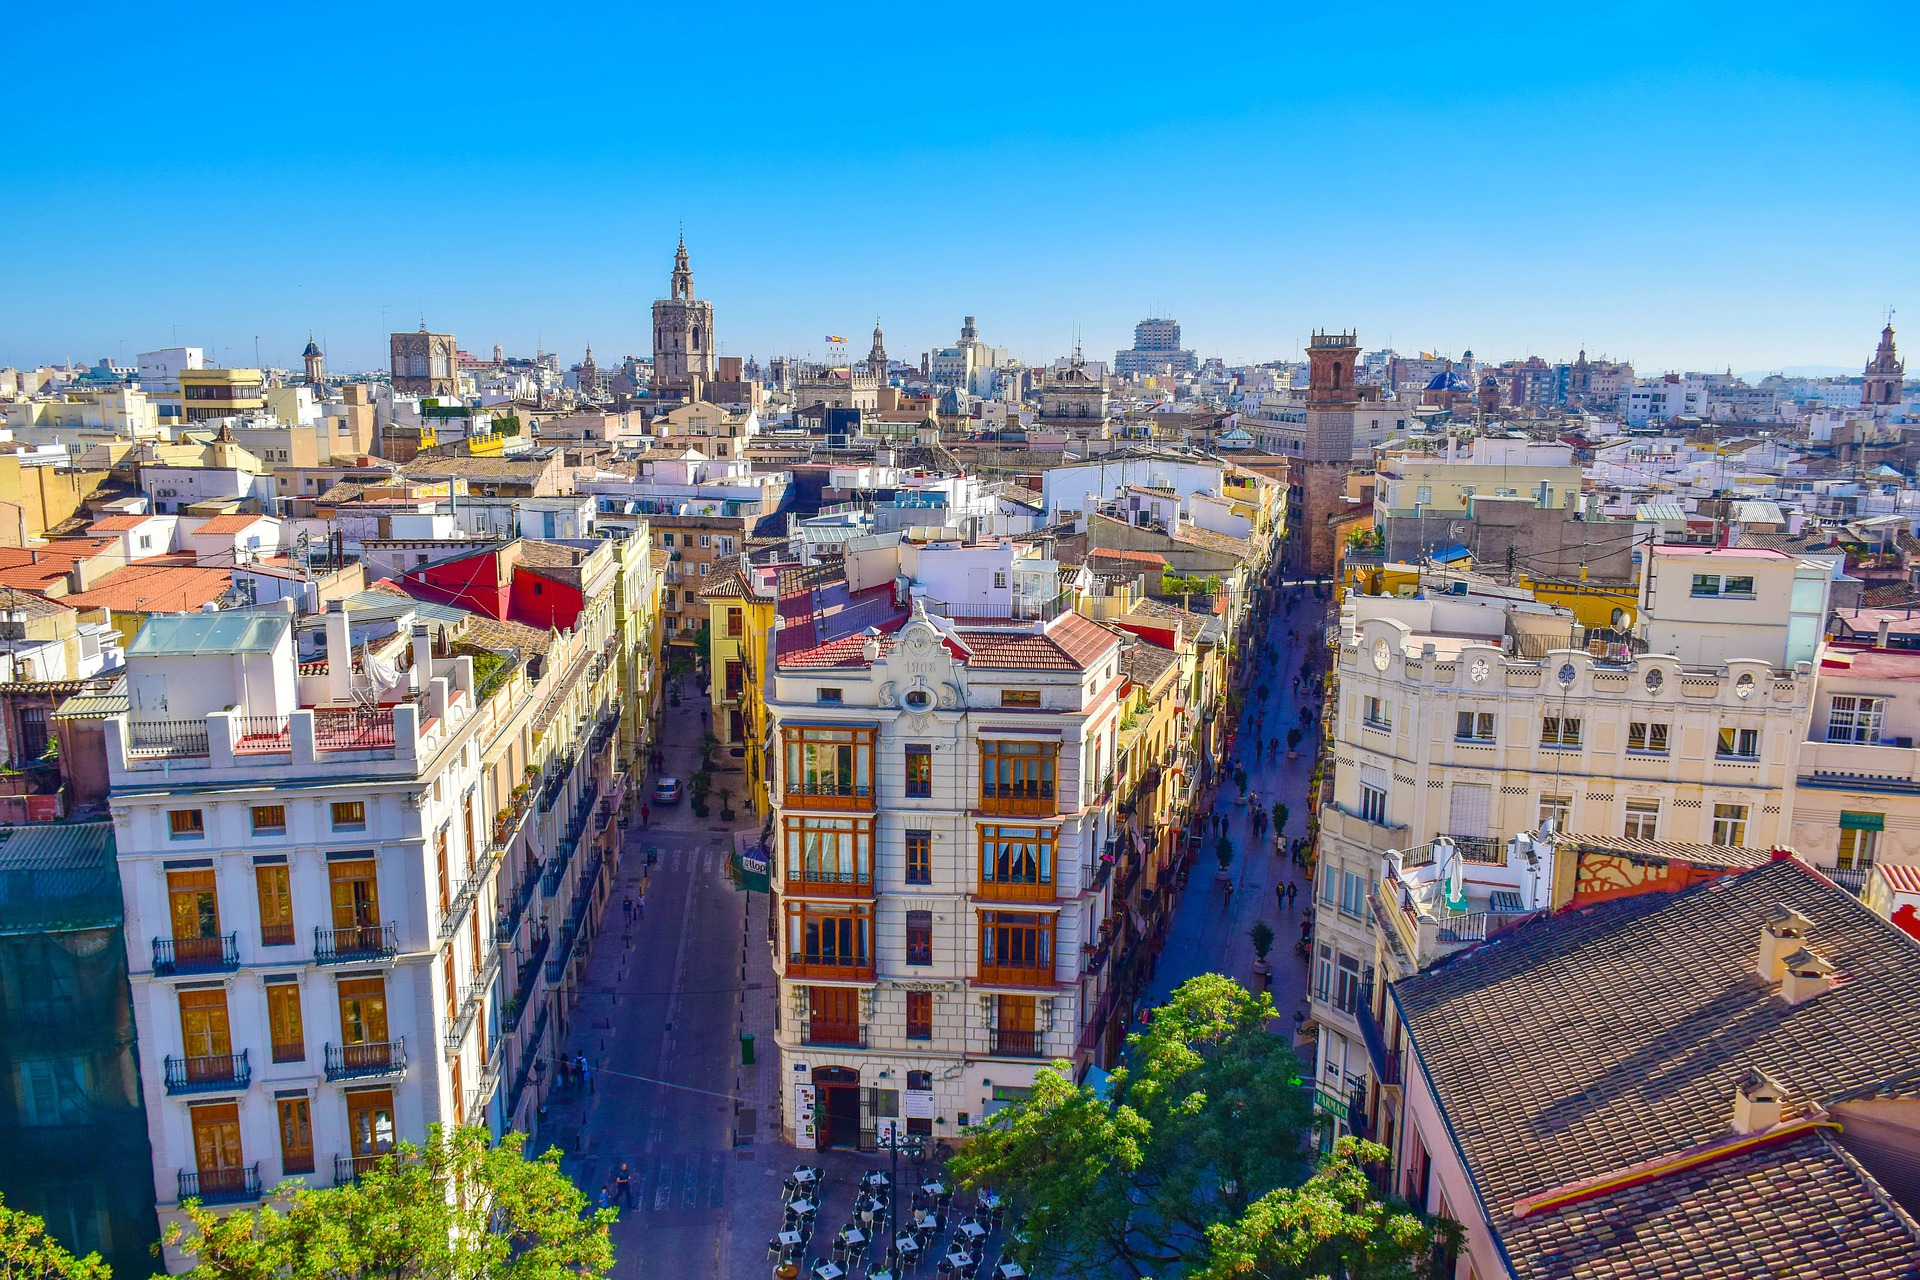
{"x": 666, "y": 791}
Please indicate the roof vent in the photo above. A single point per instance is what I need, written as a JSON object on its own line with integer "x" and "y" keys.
{"x": 1759, "y": 1102}
{"x": 1781, "y": 934}
{"x": 1807, "y": 976}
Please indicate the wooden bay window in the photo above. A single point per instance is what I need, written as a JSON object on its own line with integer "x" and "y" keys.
{"x": 829, "y": 767}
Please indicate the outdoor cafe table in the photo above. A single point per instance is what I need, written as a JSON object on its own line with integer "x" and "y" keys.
{"x": 828, "y": 1271}
{"x": 802, "y": 1208}
{"x": 1011, "y": 1271}
{"x": 959, "y": 1258}
{"x": 853, "y": 1238}
{"x": 907, "y": 1245}
{"x": 973, "y": 1231}
{"x": 789, "y": 1239}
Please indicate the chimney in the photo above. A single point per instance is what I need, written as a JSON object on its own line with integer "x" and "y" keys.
{"x": 1807, "y": 975}
{"x": 1880, "y": 641}
{"x": 1759, "y": 1102}
{"x": 1781, "y": 935}
{"x": 339, "y": 654}
{"x": 422, "y": 656}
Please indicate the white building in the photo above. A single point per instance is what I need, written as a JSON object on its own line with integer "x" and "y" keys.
{"x": 309, "y": 917}
{"x": 160, "y": 370}
{"x": 940, "y": 832}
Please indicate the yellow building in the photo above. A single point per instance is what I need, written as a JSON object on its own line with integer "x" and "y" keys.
{"x": 742, "y": 601}
{"x": 1596, "y": 602}
{"x": 221, "y": 393}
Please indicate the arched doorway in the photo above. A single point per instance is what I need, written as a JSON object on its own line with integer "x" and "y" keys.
{"x": 838, "y": 1111}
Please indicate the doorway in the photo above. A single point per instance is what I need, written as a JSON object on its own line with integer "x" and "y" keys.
{"x": 839, "y": 1108}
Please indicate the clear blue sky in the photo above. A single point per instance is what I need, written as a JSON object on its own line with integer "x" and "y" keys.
{"x": 1690, "y": 185}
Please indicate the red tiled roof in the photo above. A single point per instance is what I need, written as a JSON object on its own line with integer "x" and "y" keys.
{"x": 1073, "y": 643}
{"x": 144, "y": 588}
{"x": 117, "y": 524}
{"x": 1899, "y": 878}
{"x": 228, "y": 524}
{"x": 1137, "y": 557}
{"x": 845, "y": 651}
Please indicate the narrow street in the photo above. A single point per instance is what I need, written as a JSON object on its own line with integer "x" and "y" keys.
{"x": 1209, "y": 929}
{"x": 660, "y": 1025}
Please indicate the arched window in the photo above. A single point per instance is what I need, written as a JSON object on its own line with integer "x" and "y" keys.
{"x": 696, "y": 337}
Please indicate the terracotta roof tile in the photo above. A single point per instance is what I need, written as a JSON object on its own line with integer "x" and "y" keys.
{"x": 226, "y": 524}
{"x": 1803, "y": 1208}
{"x": 1589, "y": 1042}
{"x": 144, "y": 588}
{"x": 1071, "y": 643}
{"x": 116, "y": 524}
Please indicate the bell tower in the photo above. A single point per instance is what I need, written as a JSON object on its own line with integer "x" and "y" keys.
{"x": 1880, "y": 387}
{"x": 316, "y": 362}
{"x": 683, "y": 343}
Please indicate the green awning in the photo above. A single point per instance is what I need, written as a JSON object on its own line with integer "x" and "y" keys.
{"x": 1862, "y": 821}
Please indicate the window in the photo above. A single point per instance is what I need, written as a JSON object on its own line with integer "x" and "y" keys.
{"x": 355, "y": 892}
{"x": 1736, "y": 586}
{"x": 919, "y": 857}
{"x": 1643, "y": 819}
{"x": 1019, "y": 697}
{"x": 1559, "y": 731}
{"x": 829, "y": 851}
{"x": 736, "y": 622}
{"x": 350, "y": 815}
{"x": 1855, "y": 719}
{"x": 194, "y": 906}
{"x": 666, "y": 539}
{"x": 1377, "y": 713}
{"x": 296, "y": 1135}
{"x": 829, "y": 697}
{"x": 370, "y": 1124}
{"x": 1860, "y": 839}
{"x": 1016, "y": 861}
{"x": 283, "y": 1021}
{"x": 919, "y": 937}
{"x": 706, "y": 569}
{"x": 1556, "y": 809}
{"x": 1730, "y": 824}
{"x": 919, "y": 770}
{"x": 269, "y": 819}
{"x": 1323, "y": 974}
{"x": 186, "y": 824}
{"x": 1714, "y": 584}
{"x": 1473, "y": 726}
{"x": 836, "y": 938}
{"x": 204, "y": 1038}
{"x": 1738, "y": 744}
{"x": 218, "y": 1158}
{"x": 919, "y": 1024}
{"x": 275, "y": 891}
{"x": 33, "y": 733}
{"x": 442, "y": 876}
{"x": 1353, "y": 893}
{"x": 1651, "y": 738}
{"x": 1017, "y": 777}
{"x": 1373, "y": 804}
{"x": 1706, "y": 584}
{"x": 830, "y": 766}
{"x": 1016, "y": 947}
{"x": 52, "y": 1091}
{"x": 1423, "y": 496}
{"x": 1346, "y": 983}
{"x": 736, "y": 676}
{"x": 363, "y": 1011}
{"x": 706, "y": 540}
{"x": 999, "y": 579}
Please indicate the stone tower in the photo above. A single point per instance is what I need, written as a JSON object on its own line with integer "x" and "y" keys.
{"x": 422, "y": 363}
{"x": 316, "y": 362}
{"x": 589, "y": 376}
{"x": 1881, "y": 385}
{"x": 1328, "y": 455}
{"x": 683, "y": 345}
{"x": 877, "y": 356}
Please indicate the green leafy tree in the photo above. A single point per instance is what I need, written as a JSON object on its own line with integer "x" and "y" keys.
{"x": 1280, "y": 815}
{"x": 456, "y": 1208}
{"x": 27, "y": 1252}
{"x": 1208, "y": 1117}
{"x": 1223, "y": 851}
{"x": 1330, "y": 1225}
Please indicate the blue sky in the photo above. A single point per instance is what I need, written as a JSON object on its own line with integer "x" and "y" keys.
{"x": 1690, "y": 186}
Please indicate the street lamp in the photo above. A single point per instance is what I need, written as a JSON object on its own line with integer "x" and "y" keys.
{"x": 893, "y": 1142}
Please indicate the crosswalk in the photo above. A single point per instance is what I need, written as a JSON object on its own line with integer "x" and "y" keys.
{"x": 668, "y": 1181}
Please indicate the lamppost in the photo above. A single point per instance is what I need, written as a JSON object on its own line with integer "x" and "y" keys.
{"x": 893, "y": 1143}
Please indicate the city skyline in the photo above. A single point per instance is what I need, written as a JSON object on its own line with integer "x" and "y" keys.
{"x": 1708, "y": 198}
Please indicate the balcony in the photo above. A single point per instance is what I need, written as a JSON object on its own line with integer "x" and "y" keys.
{"x": 817, "y": 882}
{"x": 1887, "y": 766}
{"x": 1018, "y": 1044}
{"x": 1482, "y": 849}
{"x": 219, "y": 954}
{"x": 1015, "y": 891}
{"x": 167, "y": 738}
{"x": 1380, "y": 837}
{"x": 516, "y": 909}
{"x": 355, "y": 944}
{"x": 849, "y": 1035}
{"x": 277, "y": 935}
{"x": 221, "y": 1186}
{"x": 1385, "y": 1061}
{"x": 1028, "y": 801}
{"x": 366, "y": 1061}
{"x": 816, "y": 794}
{"x": 1852, "y": 879}
{"x": 209, "y": 1073}
{"x": 1008, "y": 975}
{"x": 348, "y": 1168}
{"x": 562, "y": 952}
{"x": 815, "y": 964}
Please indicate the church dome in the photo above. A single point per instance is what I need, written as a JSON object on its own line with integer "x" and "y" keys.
{"x": 1446, "y": 380}
{"x": 313, "y": 349}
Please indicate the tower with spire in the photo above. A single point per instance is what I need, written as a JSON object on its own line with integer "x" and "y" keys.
{"x": 1881, "y": 385}
{"x": 589, "y": 377}
{"x": 316, "y": 362}
{"x": 877, "y": 355}
{"x": 683, "y": 342}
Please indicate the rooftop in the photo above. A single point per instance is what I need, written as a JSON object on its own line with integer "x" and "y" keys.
{"x": 1591, "y": 1042}
{"x": 183, "y": 635}
{"x": 145, "y": 588}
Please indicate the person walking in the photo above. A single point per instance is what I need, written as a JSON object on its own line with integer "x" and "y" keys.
{"x": 623, "y": 1184}
{"x": 640, "y": 906}
{"x": 1293, "y": 891}
{"x": 646, "y": 815}
{"x": 606, "y": 1198}
{"x": 1280, "y": 897}
{"x": 1227, "y": 903}
{"x": 626, "y": 905}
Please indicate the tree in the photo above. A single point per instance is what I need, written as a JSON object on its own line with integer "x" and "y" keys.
{"x": 1331, "y": 1225}
{"x": 1280, "y": 815}
{"x": 1223, "y": 850}
{"x": 453, "y": 1209}
{"x": 1262, "y": 937}
{"x": 27, "y": 1252}
{"x": 1208, "y": 1117}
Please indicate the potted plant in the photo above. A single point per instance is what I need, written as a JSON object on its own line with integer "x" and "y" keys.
{"x": 1280, "y": 816}
{"x": 1293, "y": 744}
{"x": 1223, "y": 852}
{"x": 1262, "y": 936}
{"x": 726, "y": 805}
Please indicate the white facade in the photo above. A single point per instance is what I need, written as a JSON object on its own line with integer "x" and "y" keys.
{"x": 160, "y": 370}
{"x": 936, "y": 964}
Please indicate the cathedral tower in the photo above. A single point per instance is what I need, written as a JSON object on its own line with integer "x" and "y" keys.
{"x": 1881, "y": 385}
{"x": 683, "y": 344}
